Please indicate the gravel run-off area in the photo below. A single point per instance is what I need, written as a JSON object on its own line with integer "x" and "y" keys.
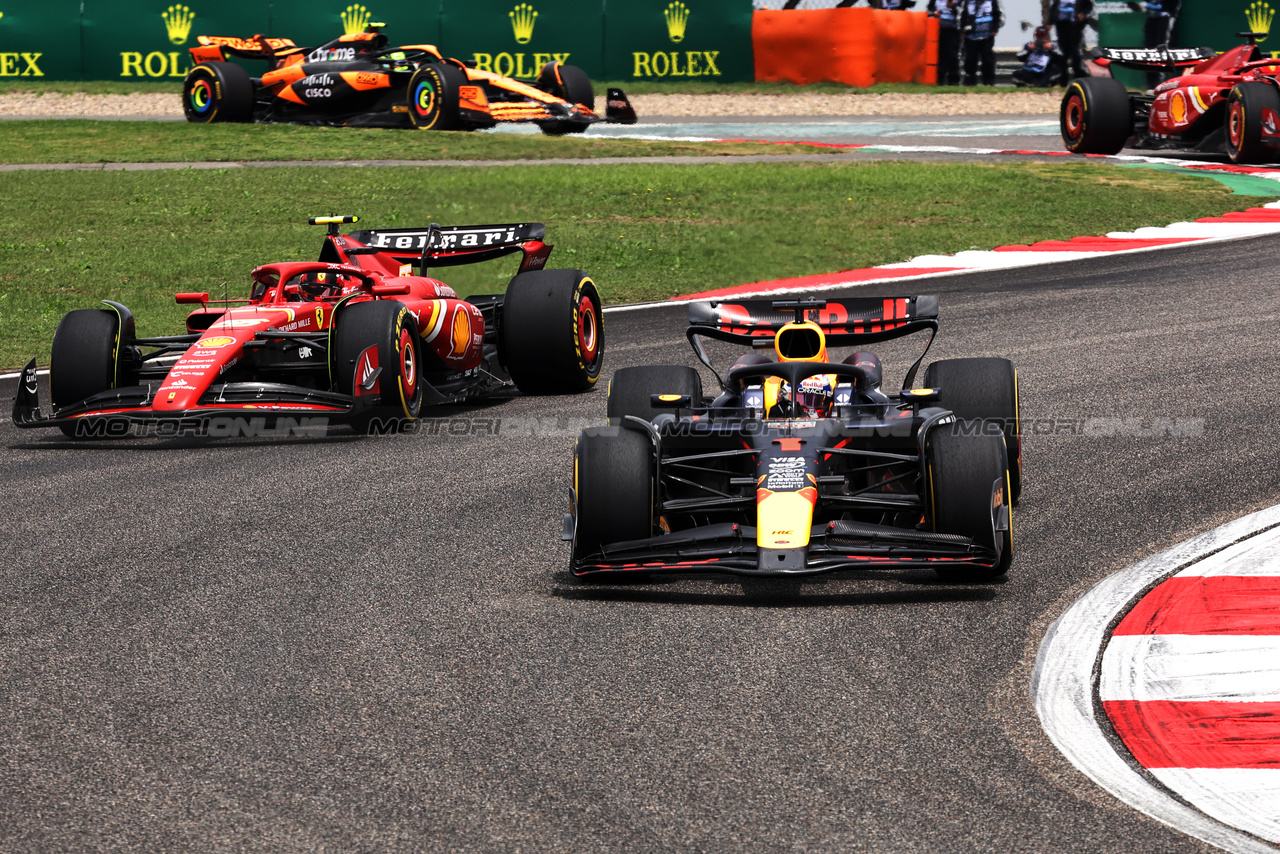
{"x": 1008, "y": 103}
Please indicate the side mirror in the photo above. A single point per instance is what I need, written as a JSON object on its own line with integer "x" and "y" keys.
{"x": 390, "y": 289}
{"x": 191, "y": 298}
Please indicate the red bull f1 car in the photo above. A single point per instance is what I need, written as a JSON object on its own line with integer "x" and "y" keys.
{"x": 356, "y": 80}
{"x": 1228, "y": 102}
{"x": 800, "y": 464}
{"x": 358, "y": 336}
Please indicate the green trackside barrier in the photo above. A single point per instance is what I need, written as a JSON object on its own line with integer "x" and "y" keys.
{"x": 516, "y": 39}
{"x": 618, "y": 40}
{"x": 678, "y": 39}
{"x": 39, "y": 41}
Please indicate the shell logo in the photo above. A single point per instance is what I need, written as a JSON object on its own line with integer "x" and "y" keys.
{"x": 1178, "y": 107}
{"x": 215, "y": 342}
{"x": 461, "y": 331}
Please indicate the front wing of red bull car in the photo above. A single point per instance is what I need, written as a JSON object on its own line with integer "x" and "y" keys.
{"x": 355, "y": 337}
{"x": 357, "y": 80}
{"x": 801, "y": 464}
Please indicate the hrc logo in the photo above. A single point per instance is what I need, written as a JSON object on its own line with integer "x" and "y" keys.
{"x": 522, "y": 20}
{"x": 355, "y": 19}
{"x": 677, "y": 15}
{"x": 1259, "y": 16}
{"x": 177, "y": 22}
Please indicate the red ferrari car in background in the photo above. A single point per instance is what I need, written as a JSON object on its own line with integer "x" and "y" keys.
{"x": 1228, "y": 102}
{"x": 354, "y": 336}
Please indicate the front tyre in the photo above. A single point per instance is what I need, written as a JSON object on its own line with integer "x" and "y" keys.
{"x": 433, "y": 96}
{"x": 217, "y": 92}
{"x": 631, "y": 390}
{"x": 984, "y": 392}
{"x": 85, "y": 358}
{"x": 1247, "y": 109}
{"x": 573, "y": 85}
{"x": 613, "y": 478}
{"x": 551, "y": 339}
{"x": 1096, "y": 116}
{"x": 388, "y": 326}
{"x": 966, "y": 482}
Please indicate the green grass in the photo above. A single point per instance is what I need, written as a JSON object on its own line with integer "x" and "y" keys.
{"x": 69, "y": 239}
{"x": 631, "y": 87}
{"x": 87, "y": 141}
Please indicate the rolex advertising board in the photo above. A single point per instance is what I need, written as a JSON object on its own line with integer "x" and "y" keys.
{"x": 310, "y": 23}
{"x": 1198, "y": 24}
{"x": 516, "y": 39}
{"x": 148, "y": 40}
{"x": 678, "y": 39}
{"x": 39, "y": 41}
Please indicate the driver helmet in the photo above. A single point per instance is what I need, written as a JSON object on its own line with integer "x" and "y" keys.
{"x": 318, "y": 285}
{"x": 816, "y": 395}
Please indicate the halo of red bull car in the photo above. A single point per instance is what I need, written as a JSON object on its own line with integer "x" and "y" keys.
{"x": 1227, "y": 102}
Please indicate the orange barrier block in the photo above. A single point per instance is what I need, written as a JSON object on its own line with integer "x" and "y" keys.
{"x": 858, "y": 46}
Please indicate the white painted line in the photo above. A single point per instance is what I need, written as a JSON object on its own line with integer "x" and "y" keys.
{"x": 1062, "y": 685}
{"x": 1191, "y": 668}
{"x": 1247, "y": 798}
{"x": 1255, "y": 556}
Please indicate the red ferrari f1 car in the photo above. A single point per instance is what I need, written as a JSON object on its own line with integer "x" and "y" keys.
{"x": 1228, "y": 102}
{"x": 801, "y": 464}
{"x": 356, "y": 80}
{"x": 354, "y": 336}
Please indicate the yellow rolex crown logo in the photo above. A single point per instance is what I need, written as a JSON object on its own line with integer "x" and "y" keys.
{"x": 677, "y": 15}
{"x": 522, "y": 18}
{"x": 177, "y": 22}
{"x": 355, "y": 19}
{"x": 1259, "y": 16}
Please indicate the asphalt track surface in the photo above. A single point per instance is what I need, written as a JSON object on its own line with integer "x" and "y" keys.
{"x": 374, "y": 643}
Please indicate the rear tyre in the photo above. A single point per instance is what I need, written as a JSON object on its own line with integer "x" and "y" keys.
{"x": 387, "y": 325}
{"x": 84, "y": 358}
{"x": 967, "y": 476}
{"x": 1245, "y": 118}
{"x": 984, "y": 390}
{"x": 1096, "y": 116}
{"x": 551, "y": 339}
{"x": 433, "y": 96}
{"x": 217, "y": 92}
{"x": 571, "y": 83}
{"x": 613, "y": 478}
{"x": 631, "y": 390}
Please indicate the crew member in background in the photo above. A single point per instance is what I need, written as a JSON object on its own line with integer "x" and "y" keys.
{"x": 1158, "y": 30}
{"x": 1068, "y": 17}
{"x": 980, "y": 20}
{"x": 1042, "y": 64}
{"x": 948, "y": 14}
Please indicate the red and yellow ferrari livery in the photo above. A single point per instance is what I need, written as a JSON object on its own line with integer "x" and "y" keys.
{"x": 358, "y": 336}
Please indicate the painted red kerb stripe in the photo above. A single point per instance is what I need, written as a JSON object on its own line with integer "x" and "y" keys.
{"x": 1171, "y": 734}
{"x": 1208, "y": 605}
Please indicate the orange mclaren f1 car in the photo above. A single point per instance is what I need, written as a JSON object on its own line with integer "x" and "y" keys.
{"x": 356, "y": 80}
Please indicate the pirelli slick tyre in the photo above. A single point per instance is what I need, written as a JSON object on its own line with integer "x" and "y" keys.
{"x": 551, "y": 339}
{"x": 433, "y": 96}
{"x": 966, "y": 478}
{"x": 631, "y": 390}
{"x": 217, "y": 92}
{"x": 983, "y": 394}
{"x": 571, "y": 83}
{"x": 84, "y": 361}
{"x": 388, "y": 326}
{"x": 613, "y": 478}
{"x": 1245, "y": 118}
{"x": 1096, "y": 116}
